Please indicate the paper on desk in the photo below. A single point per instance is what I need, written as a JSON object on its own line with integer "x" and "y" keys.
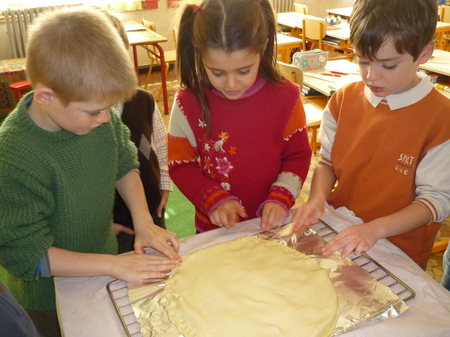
{"x": 331, "y": 79}
{"x": 334, "y": 82}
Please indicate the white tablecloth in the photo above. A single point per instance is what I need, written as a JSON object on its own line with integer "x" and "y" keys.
{"x": 85, "y": 308}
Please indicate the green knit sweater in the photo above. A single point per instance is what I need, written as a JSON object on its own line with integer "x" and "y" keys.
{"x": 56, "y": 189}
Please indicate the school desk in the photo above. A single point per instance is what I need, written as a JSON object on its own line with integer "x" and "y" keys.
{"x": 324, "y": 81}
{"x": 138, "y": 35}
{"x": 439, "y": 63}
{"x": 294, "y": 20}
{"x": 344, "y": 13}
{"x": 286, "y": 44}
{"x": 342, "y": 31}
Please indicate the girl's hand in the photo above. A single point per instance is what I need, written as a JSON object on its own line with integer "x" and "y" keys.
{"x": 158, "y": 238}
{"x": 227, "y": 214}
{"x": 117, "y": 228}
{"x": 306, "y": 214}
{"x": 273, "y": 215}
{"x": 141, "y": 267}
{"x": 358, "y": 238}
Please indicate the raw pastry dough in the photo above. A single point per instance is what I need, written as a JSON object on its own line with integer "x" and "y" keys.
{"x": 251, "y": 287}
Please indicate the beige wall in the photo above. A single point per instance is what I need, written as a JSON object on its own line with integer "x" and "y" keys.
{"x": 319, "y": 7}
{"x": 163, "y": 18}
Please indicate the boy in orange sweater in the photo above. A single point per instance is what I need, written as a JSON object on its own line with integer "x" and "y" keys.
{"x": 385, "y": 140}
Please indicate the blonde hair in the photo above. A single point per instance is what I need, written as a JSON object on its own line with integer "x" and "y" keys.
{"x": 78, "y": 53}
{"x": 117, "y": 23}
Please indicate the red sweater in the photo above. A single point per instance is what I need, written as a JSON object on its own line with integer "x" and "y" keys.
{"x": 258, "y": 150}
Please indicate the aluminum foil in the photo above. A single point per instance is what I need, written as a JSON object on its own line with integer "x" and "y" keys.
{"x": 361, "y": 297}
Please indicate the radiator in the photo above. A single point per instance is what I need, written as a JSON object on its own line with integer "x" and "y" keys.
{"x": 17, "y": 23}
{"x": 282, "y": 6}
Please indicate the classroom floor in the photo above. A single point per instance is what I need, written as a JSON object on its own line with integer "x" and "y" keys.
{"x": 434, "y": 268}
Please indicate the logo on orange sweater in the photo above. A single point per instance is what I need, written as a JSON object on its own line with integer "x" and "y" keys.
{"x": 404, "y": 163}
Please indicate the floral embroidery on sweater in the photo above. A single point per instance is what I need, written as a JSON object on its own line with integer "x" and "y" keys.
{"x": 216, "y": 160}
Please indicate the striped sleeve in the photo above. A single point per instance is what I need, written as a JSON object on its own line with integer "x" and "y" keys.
{"x": 433, "y": 182}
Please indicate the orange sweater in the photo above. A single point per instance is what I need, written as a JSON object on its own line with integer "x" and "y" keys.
{"x": 389, "y": 155}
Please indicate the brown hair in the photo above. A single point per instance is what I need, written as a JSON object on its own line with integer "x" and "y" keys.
{"x": 78, "y": 53}
{"x": 410, "y": 25}
{"x": 228, "y": 25}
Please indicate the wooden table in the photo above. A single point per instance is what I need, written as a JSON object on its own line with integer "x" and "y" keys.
{"x": 439, "y": 63}
{"x": 138, "y": 35}
{"x": 285, "y": 45}
{"x": 441, "y": 29}
{"x": 327, "y": 84}
{"x": 344, "y": 13}
{"x": 11, "y": 70}
{"x": 294, "y": 20}
{"x": 342, "y": 32}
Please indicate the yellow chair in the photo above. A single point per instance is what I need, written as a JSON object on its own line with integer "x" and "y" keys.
{"x": 314, "y": 113}
{"x": 314, "y": 31}
{"x": 169, "y": 57}
{"x": 303, "y": 9}
{"x": 440, "y": 246}
{"x": 293, "y": 73}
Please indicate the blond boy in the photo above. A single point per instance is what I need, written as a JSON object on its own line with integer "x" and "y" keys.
{"x": 64, "y": 151}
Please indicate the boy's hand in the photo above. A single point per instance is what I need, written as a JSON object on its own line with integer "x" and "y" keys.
{"x": 157, "y": 238}
{"x": 358, "y": 238}
{"x": 227, "y": 214}
{"x": 306, "y": 214}
{"x": 273, "y": 215}
{"x": 163, "y": 203}
{"x": 141, "y": 267}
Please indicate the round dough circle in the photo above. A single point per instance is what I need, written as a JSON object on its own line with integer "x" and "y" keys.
{"x": 251, "y": 287}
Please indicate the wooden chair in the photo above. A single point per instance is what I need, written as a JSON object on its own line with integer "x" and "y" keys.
{"x": 169, "y": 57}
{"x": 300, "y": 8}
{"x": 445, "y": 17}
{"x": 440, "y": 246}
{"x": 314, "y": 31}
{"x": 293, "y": 73}
{"x": 175, "y": 37}
{"x": 313, "y": 112}
{"x": 19, "y": 87}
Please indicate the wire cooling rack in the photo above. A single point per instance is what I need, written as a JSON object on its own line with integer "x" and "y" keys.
{"x": 118, "y": 290}
{"x": 381, "y": 274}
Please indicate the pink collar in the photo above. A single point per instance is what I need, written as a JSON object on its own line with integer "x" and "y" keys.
{"x": 259, "y": 83}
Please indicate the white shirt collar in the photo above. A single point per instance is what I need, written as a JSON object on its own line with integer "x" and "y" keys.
{"x": 402, "y": 99}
